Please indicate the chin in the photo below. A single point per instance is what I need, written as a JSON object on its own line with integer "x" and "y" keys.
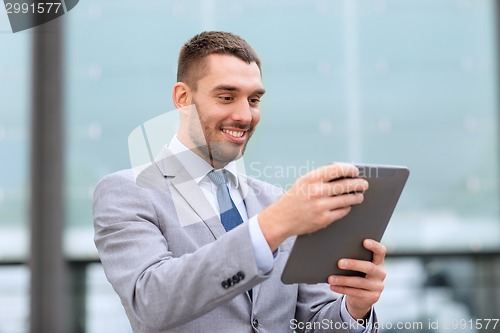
{"x": 227, "y": 157}
{"x": 226, "y": 154}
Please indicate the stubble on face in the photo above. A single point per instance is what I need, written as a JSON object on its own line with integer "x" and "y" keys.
{"x": 208, "y": 142}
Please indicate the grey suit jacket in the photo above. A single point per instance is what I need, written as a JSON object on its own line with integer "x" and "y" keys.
{"x": 175, "y": 268}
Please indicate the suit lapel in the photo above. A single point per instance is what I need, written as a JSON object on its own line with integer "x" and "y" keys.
{"x": 189, "y": 192}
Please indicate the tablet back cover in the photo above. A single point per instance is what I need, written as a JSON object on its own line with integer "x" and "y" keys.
{"x": 314, "y": 257}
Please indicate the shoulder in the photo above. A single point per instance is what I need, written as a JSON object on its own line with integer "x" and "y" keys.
{"x": 119, "y": 194}
{"x": 130, "y": 180}
{"x": 116, "y": 178}
{"x": 115, "y": 185}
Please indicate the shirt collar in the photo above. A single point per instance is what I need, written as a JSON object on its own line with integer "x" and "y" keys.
{"x": 196, "y": 166}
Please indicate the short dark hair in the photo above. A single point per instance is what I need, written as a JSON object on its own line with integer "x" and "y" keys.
{"x": 191, "y": 65}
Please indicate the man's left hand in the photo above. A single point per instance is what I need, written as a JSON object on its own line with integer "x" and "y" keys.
{"x": 361, "y": 292}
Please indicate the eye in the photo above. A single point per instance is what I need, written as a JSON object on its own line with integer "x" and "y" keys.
{"x": 254, "y": 101}
{"x": 226, "y": 99}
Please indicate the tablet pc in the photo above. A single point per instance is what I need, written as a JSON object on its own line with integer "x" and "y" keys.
{"x": 315, "y": 256}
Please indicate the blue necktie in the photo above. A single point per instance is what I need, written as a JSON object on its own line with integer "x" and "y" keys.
{"x": 229, "y": 215}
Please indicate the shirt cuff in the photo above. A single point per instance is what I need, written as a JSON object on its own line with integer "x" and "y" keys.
{"x": 354, "y": 325}
{"x": 264, "y": 258}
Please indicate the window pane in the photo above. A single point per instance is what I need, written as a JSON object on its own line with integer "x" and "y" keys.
{"x": 388, "y": 82}
{"x": 14, "y": 299}
{"x": 119, "y": 71}
{"x": 377, "y": 81}
{"x": 350, "y": 87}
{"x": 14, "y": 144}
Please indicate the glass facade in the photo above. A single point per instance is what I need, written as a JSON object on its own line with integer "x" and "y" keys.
{"x": 14, "y": 140}
{"x": 386, "y": 82}
{"x": 409, "y": 82}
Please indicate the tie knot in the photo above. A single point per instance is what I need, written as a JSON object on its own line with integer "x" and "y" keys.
{"x": 218, "y": 177}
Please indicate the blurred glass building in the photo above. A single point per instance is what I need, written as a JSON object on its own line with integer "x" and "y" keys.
{"x": 408, "y": 82}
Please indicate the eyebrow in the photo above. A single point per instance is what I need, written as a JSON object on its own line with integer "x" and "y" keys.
{"x": 224, "y": 87}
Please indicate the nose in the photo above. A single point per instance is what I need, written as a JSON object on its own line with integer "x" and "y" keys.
{"x": 242, "y": 112}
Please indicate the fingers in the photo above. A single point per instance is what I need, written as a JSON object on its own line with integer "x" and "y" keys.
{"x": 341, "y": 201}
{"x": 368, "y": 297}
{"x": 379, "y": 251}
{"x": 331, "y": 209}
{"x": 337, "y": 214}
{"x": 336, "y": 179}
{"x": 352, "y": 283}
{"x": 346, "y": 185}
{"x": 362, "y": 266}
{"x": 334, "y": 171}
{"x": 336, "y": 188}
{"x": 368, "y": 288}
{"x": 362, "y": 292}
{"x": 373, "y": 267}
{"x": 315, "y": 200}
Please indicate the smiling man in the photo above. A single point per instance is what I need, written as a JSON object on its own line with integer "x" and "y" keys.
{"x": 227, "y": 100}
{"x": 192, "y": 245}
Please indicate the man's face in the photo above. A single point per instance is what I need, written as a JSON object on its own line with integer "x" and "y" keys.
{"x": 227, "y": 101}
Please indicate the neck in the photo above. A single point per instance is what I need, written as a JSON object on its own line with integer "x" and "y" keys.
{"x": 203, "y": 152}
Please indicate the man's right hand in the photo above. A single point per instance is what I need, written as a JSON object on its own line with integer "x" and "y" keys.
{"x": 315, "y": 200}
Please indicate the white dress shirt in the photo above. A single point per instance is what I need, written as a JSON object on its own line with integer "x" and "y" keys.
{"x": 198, "y": 168}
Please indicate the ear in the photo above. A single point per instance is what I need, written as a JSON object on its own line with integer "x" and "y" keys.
{"x": 181, "y": 95}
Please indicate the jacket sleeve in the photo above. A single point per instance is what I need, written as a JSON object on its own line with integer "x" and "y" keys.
{"x": 316, "y": 303}
{"x": 156, "y": 288}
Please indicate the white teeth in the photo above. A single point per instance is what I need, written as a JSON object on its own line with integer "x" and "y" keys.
{"x": 236, "y": 134}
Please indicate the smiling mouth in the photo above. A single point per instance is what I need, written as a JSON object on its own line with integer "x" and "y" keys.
{"x": 236, "y": 134}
